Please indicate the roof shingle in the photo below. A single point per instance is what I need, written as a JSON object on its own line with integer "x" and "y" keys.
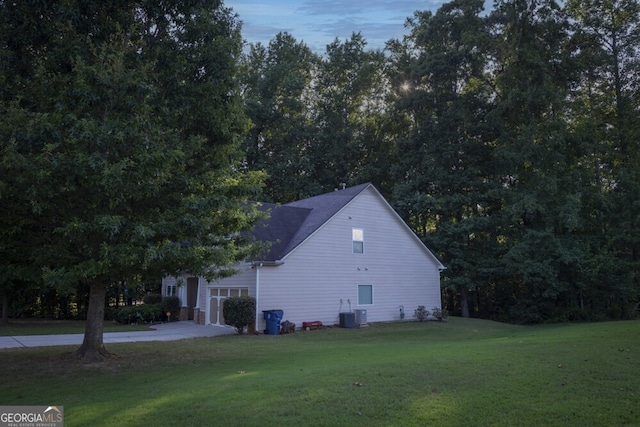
{"x": 291, "y": 224}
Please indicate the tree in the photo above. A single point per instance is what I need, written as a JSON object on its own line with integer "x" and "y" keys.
{"x": 124, "y": 119}
{"x": 543, "y": 206}
{"x": 445, "y": 178}
{"x": 606, "y": 102}
{"x": 278, "y": 95}
{"x": 316, "y": 122}
{"x": 349, "y": 103}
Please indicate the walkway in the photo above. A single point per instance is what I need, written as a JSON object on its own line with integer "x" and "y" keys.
{"x": 160, "y": 332}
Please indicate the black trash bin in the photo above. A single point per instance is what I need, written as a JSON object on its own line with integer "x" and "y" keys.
{"x": 273, "y": 318}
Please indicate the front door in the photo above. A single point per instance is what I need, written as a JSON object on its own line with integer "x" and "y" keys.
{"x": 192, "y": 296}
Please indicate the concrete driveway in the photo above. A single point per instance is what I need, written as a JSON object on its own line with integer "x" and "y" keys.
{"x": 160, "y": 332}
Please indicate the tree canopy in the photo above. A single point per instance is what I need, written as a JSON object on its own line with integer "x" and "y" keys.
{"x": 120, "y": 139}
{"x": 507, "y": 139}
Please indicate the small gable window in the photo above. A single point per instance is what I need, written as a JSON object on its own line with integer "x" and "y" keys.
{"x": 357, "y": 235}
{"x": 365, "y": 294}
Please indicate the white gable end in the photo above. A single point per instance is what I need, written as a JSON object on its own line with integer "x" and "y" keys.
{"x": 323, "y": 270}
{"x": 380, "y": 215}
{"x": 321, "y": 276}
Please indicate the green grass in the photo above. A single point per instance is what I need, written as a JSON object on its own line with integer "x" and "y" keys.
{"x": 463, "y": 372}
{"x": 19, "y": 327}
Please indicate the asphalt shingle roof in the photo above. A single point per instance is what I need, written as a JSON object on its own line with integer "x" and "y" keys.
{"x": 292, "y": 223}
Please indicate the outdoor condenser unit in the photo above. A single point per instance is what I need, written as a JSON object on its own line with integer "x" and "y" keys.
{"x": 361, "y": 317}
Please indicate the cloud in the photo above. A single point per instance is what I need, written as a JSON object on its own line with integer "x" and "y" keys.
{"x": 378, "y": 31}
{"x": 250, "y": 7}
{"x": 318, "y": 22}
{"x": 260, "y": 31}
{"x": 357, "y": 7}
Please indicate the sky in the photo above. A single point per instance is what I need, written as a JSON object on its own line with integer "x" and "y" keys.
{"x": 319, "y": 22}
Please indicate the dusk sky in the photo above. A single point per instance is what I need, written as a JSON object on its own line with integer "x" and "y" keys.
{"x": 319, "y": 22}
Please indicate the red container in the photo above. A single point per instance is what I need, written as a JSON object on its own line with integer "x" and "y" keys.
{"x": 307, "y": 326}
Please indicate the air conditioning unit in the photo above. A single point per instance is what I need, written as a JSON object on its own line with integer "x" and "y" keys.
{"x": 361, "y": 317}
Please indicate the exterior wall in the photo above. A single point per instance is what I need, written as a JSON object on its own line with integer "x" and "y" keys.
{"x": 246, "y": 278}
{"x": 168, "y": 281}
{"x": 181, "y": 292}
{"x": 323, "y": 270}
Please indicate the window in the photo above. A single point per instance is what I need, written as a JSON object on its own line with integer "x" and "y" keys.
{"x": 365, "y": 294}
{"x": 228, "y": 292}
{"x": 357, "y": 235}
{"x": 171, "y": 290}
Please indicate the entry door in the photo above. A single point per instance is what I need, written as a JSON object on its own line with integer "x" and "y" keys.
{"x": 192, "y": 295}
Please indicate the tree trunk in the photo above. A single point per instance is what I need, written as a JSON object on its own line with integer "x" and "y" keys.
{"x": 92, "y": 349}
{"x": 4, "y": 321}
{"x": 464, "y": 301}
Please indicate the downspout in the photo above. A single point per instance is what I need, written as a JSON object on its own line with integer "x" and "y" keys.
{"x": 197, "y": 321}
{"x": 257, "y": 267}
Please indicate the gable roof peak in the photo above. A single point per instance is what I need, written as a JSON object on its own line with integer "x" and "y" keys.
{"x": 337, "y": 196}
{"x": 292, "y": 223}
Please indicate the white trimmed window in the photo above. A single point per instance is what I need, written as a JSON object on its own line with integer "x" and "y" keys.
{"x": 357, "y": 236}
{"x": 365, "y": 294}
{"x": 171, "y": 290}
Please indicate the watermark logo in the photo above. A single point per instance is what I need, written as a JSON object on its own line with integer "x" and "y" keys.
{"x": 31, "y": 416}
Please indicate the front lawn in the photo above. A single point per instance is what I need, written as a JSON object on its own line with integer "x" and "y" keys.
{"x": 463, "y": 372}
{"x": 19, "y": 327}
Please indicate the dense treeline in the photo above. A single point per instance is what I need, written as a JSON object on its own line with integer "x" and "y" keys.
{"x": 509, "y": 141}
{"x": 132, "y": 133}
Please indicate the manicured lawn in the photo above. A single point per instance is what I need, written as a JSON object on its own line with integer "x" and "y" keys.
{"x": 50, "y": 327}
{"x": 461, "y": 373}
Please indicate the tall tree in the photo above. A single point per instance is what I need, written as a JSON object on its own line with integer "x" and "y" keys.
{"x": 445, "y": 174}
{"x": 349, "y": 101}
{"x": 278, "y": 94}
{"x": 607, "y": 39}
{"x": 542, "y": 207}
{"x": 124, "y": 120}
{"x": 316, "y": 122}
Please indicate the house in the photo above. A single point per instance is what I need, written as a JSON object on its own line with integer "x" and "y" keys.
{"x": 344, "y": 251}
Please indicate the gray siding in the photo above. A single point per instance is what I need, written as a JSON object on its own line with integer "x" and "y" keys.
{"x": 323, "y": 270}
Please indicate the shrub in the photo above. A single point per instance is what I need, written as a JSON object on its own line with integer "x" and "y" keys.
{"x": 128, "y": 314}
{"x": 152, "y": 299}
{"x": 171, "y": 305}
{"x": 421, "y": 313}
{"x": 439, "y": 314}
{"x": 150, "y": 312}
{"x": 239, "y": 312}
{"x": 138, "y": 313}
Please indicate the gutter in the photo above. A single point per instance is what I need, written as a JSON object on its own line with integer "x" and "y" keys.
{"x": 257, "y": 267}
{"x": 275, "y": 263}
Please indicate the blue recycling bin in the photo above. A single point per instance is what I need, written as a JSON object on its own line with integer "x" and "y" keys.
{"x": 273, "y": 319}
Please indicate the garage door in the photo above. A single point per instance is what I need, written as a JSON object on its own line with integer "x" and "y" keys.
{"x": 216, "y": 299}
